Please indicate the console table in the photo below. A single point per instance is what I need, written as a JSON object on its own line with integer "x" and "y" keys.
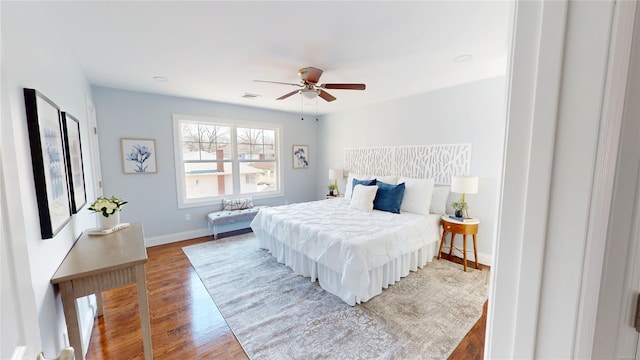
{"x": 98, "y": 263}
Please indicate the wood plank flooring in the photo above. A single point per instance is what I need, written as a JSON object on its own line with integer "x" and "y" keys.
{"x": 185, "y": 322}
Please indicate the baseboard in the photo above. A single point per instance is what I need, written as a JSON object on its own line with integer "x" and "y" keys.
{"x": 484, "y": 259}
{"x": 171, "y": 238}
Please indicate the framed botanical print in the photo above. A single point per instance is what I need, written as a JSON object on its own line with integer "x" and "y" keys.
{"x": 138, "y": 156}
{"x": 48, "y": 161}
{"x": 300, "y": 155}
{"x": 75, "y": 167}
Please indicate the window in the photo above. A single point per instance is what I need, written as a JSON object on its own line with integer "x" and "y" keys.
{"x": 218, "y": 158}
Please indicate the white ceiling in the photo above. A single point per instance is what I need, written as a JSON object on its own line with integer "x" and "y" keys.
{"x": 214, "y": 50}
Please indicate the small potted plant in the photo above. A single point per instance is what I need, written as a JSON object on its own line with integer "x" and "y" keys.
{"x": 109, "y": 211}
{"x": 332, "y": 188}
{"x": 460, "y": 207}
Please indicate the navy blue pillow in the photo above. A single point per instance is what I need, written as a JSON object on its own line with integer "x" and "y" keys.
{"x": 389, "y": 197}
{"x": 362, "y": 182}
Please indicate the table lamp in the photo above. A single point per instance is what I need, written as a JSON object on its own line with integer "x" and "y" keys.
{"x": 464, "y": 185}
{"x": 335, "y": 174}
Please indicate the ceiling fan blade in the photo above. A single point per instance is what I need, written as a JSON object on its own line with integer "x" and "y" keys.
{"x": 310, "y": 74}
{"x": 278, "y": 82}
{"x": 326, "y": 96}
{"x": 344, "y": 86}
{"x": 288, "y": 94}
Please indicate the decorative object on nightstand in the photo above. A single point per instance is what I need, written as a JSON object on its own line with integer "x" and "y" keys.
{"x": 464, "y": 228}
{"x": 332, "y": 188}
{"x": 463, "y": 185}
{"x": 335, "y": 174}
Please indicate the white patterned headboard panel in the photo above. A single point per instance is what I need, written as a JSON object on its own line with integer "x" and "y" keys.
{"x": 420, "y": 161}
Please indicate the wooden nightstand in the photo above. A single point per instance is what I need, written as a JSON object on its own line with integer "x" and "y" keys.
{"x": 454, "y": 227}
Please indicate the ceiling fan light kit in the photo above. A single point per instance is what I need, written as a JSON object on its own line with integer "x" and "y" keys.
{"x": 310, "y": 89}
{"x": 310, "y": 93}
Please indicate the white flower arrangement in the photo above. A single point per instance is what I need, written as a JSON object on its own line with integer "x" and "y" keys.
{"x": 107, "y": 206}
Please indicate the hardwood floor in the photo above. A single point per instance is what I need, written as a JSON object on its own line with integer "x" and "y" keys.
{"x": 185, "y": 322}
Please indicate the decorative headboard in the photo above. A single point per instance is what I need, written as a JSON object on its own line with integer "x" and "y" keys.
{"x": 419, "y": 161}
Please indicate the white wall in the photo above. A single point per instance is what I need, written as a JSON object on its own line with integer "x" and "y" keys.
{"x": 468, "y": 113}
{"x": 34, "y": 55}
{"x": 152, "y": 197}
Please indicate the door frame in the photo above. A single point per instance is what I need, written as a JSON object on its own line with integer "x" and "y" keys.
{"x": 535, "y": 75}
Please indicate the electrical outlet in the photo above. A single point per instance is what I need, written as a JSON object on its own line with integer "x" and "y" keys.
{"x": 187, "y": 217}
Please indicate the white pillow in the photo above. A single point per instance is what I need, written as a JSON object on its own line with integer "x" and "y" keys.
{"x": 439, "y": 200}
{"x": 363, "y": 196}
{"x": 417, "y": 195}
{"x": 391, "y": 180}
{"x": 349, "y": 186}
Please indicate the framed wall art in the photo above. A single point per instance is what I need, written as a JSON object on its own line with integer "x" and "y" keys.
{"x": 300, "y": 154}
{"x": 138, "y": 156}
{"x": 48, "y": 161}
{"x": 75, "y": 167}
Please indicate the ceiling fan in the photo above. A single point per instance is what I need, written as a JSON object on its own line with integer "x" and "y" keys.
{"x": 309, "y": 87}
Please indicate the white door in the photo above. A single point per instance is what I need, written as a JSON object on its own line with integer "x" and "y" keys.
{"x": 615, "y": 335}
{"x": 94, "y": 148}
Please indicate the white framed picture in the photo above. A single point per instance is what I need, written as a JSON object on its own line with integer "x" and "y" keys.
{"x": 138, "y": 156}
{"x": 300, "y": 154}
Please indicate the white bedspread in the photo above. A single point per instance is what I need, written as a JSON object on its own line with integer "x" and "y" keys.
{"x": 351, "y": 243}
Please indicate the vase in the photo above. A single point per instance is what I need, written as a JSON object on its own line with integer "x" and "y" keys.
{"x": 459, "y": 213}
{"x": 108, "y": 222}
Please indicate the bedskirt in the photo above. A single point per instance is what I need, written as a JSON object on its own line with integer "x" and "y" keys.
{"x": 351, "y": 291}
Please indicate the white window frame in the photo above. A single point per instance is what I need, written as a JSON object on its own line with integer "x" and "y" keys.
{"x": 183, "y": 202}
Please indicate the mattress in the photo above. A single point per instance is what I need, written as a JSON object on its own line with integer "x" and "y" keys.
{"x": 354, "y": 254}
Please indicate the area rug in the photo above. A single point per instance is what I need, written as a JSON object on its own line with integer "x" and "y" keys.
{"x": 276, "y": 314}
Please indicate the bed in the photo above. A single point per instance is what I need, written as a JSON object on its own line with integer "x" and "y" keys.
{"x": 352, "y": 253}
{"x": 352, "y": 250}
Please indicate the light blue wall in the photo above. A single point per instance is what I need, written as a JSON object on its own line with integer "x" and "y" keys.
{"x": 468, "y": 113}
{"x": 152, "y": 197}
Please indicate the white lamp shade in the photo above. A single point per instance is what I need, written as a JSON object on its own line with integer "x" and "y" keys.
{"x": 464, "y": 184}
{"x": 335, "y": 174}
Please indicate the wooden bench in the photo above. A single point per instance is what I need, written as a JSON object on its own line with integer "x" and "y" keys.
{"x": 229, "y": 220}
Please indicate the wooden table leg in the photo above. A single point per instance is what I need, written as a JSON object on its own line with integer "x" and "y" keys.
{"x": 99, "y": 310}
{"x": 444, "y": 234}
{"x": 475, "y": 250}
{"x": 453, "y": 235}
{"x": 143, "y": 307}
{"x": 464, "y": 250}
{"x": 71, "y": 317}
